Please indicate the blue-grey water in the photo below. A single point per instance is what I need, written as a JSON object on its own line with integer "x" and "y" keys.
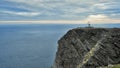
{"x": 32, "y": 45}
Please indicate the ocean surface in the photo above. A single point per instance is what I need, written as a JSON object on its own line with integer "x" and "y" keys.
{"x": 33, "y": 45}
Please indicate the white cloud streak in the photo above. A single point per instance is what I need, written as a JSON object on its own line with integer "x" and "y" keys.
{"x": 28, "y": 14}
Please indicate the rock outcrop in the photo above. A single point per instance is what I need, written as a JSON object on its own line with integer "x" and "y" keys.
{"x": 88, "y": 48}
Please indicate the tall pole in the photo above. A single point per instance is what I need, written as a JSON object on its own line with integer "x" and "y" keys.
{"x": 89, "y": 24}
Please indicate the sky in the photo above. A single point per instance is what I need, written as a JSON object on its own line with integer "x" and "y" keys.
{"x": 60, "y": 11}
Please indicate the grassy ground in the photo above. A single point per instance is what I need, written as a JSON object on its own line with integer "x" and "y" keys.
{"x": 112, "y": 66}
{"x": 116, "y": 66}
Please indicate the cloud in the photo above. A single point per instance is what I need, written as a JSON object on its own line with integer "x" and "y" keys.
{"x": 101, "y": 6}
{"x": 47, "y": 4}
{"x": 101, "y": 18}
{"x": 28, "y": 14}
{"x": 93, "y": 10}
{"x": 98, "y": 17}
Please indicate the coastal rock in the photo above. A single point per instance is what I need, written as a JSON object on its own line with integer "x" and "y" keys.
{"x": 88, "y": 48}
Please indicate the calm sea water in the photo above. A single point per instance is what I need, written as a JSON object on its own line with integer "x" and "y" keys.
{"x": 32, "y": 45}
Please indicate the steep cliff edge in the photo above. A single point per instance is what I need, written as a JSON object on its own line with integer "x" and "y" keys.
{"x": 88, "y": 48}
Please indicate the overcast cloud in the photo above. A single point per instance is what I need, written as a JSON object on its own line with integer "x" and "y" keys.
{"x": 60, "y": 10}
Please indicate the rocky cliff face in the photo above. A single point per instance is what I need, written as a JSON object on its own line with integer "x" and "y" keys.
{"x": 88, "y": 48}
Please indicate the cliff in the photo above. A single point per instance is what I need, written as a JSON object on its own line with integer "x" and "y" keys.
{"x": 88, "y": 48}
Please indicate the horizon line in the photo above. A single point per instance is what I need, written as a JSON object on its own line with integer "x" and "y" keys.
{"x": 52, "y": 22}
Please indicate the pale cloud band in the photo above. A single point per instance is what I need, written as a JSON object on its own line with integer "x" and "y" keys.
{"x": 93, "y": 19}
{"x": 107, "y": 21}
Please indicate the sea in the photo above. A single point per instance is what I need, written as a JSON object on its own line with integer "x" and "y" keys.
{"x": 33, "y": 45}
